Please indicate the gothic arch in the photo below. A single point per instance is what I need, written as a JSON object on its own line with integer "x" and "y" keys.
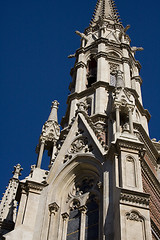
{"x": 79, "y": 166}
{"x": 130, "y": 171}
{"x": 114, "y": 53}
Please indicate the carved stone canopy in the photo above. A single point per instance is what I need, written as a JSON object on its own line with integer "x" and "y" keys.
{"x": 124, "y": 99}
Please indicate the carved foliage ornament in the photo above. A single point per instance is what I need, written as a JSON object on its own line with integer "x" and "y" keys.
{"x": 80, "y": 144}
{"x": 50, "y": 131}
{"x": 134, "y": 216}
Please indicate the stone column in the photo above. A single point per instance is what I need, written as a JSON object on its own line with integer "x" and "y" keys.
{"x": 117, "y": 118}
{"x": 83, "y": 210}
{"x": 65, "y": 217}
{"x": 126, "y": 69}
{"x": 53, "y": 208}
{"x": 130, "y": 119}
{"x": 80, "y": 78}
{"x": 39, "y": 161}
{"x": 21, "y": 210}
{"x": 103, "y": 70}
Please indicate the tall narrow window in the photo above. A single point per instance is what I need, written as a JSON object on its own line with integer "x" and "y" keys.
{"x": 92, "y": 220}
{"x": 113, "y": 79}
{"x": 91, "y": 72}
{"x": 73, "y": 231}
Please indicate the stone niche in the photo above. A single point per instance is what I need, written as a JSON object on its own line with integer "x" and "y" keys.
{"x": 135, "y": 226}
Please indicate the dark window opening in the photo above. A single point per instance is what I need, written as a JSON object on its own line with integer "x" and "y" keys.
{"x": 91, "y": 72}
{"x": 92, "y": 220}
{"x": 73, "y": 230}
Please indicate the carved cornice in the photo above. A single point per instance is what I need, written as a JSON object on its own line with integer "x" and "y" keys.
{"x": 88, "y": 91}
{"x": 129, "y": 144}
{"x": 133, "y": 197}
{"x": 34, "y": 187}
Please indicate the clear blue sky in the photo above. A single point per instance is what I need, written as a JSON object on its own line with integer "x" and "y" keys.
{"x": 36, "y": 36}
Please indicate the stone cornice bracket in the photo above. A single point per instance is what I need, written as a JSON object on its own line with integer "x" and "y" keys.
{"x": 53, "y": 208}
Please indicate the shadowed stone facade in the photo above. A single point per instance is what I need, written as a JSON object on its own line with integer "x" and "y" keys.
{"x": 104, "y": 170}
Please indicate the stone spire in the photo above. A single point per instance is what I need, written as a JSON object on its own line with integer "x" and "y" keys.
{"x": 49, "y": 136}
{"x": 53, "y": 114}
{"x": 8, "y": 206}
{"x": 106, "y": 10}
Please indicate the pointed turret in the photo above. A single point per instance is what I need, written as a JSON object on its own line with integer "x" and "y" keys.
{"x": 106, "y": 10}
{"x": 8, "y": 206}
{"x": 49, "y": 136}
{"x": 53, "y": 115}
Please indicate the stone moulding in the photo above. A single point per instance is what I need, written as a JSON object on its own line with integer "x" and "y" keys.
{"x": 131, "y": 197}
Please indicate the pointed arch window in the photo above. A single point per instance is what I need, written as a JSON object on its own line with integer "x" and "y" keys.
{"x": 83, "y": 222}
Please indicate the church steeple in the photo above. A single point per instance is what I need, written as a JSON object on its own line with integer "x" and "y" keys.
{"x": 104, "y": 62}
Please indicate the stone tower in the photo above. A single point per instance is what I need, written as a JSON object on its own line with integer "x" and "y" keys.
{"x": 102, "y": 182}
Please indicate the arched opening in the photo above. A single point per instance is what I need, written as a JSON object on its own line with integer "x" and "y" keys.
{"x": 91, "y": 72}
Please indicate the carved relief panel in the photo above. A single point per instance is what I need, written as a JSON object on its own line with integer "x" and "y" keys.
{"x": 135, "y": 226}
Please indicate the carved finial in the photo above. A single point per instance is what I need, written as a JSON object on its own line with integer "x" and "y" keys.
{"x": 54, "y": 108}
{"x": 17, "y": 171}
